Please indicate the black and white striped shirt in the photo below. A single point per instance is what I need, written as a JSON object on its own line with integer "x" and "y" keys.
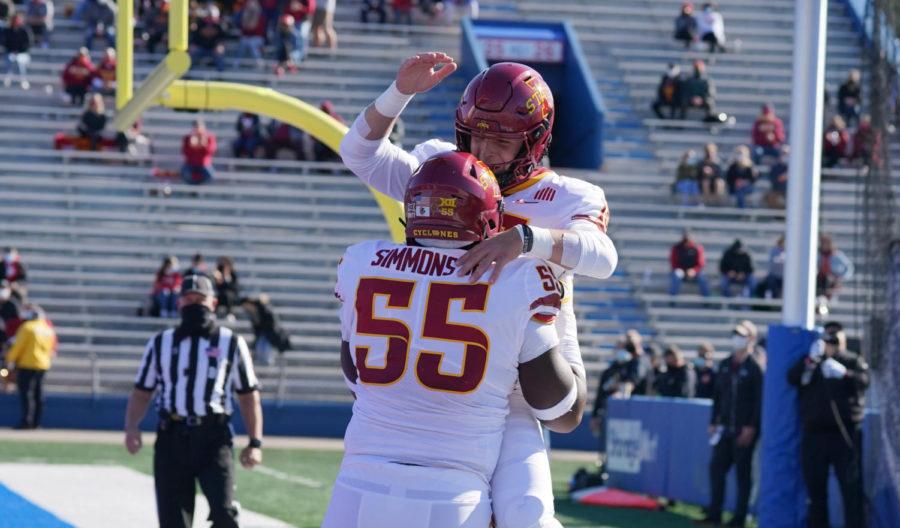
{"x": 195, "y": 374}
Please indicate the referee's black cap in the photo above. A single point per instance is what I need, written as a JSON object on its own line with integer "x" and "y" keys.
{"x": 198, "y": 283}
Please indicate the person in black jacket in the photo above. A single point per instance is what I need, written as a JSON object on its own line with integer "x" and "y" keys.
{"x": 832, "y": 382}
{"x": 679, "y": 379}
{"x": 227, "y": 288}
{"x": 93, "y": 121}
{"x": 638, "y": 371}
{"x": 614, "y": 383}
{"x": 736, "y": 267}
{"x": 698, "y": 91}
{"x": 668, "y": 92}
{"x": 267, "y": 329}
{"x": 734, "y": 424}
{"x": 686, "y": 25}
{"x": 17, "y": 39}
{"x": 705, "y": 371}
{"x": 849, "y": 97}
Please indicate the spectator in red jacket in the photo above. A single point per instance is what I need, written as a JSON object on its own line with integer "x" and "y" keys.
{"x": 105, "y": 81}
{"x": 768, "y": 134}
{"x": 166, "y": 287}
{"x": 78, "y": 75}
{"x": 836, "y": 142}
{"x": 687, "y": 262}
{"x": 866, "y": 143}
{"x": 198, "y": 148}
{"x": 12, "y": 269}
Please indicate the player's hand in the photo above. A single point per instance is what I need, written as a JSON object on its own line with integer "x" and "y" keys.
{"x": 133, "y": 441}
{"x": 251, "y": 456}
{"x": 499, "y": 251}
{"x": 746, "y": 437}
{"x": 423, "y": 72}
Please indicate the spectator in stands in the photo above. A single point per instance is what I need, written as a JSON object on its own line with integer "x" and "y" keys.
{"x": 93, "y": 121}
{"x": 7, "y": 8}
{"x": 78, "y": 75}
{"x": 17, "y": 41}
{"x": 668, "y": 92}
{"x": 13, "y": 271}
{"x": 654, "y": 353}
{"x": 206, "y": 42}
{"x": 679, "y": 379}
{"x": 105, "y": 80}
{"x": 283, "y": 141}
{"x": 156, "y": 25}
{"x": 99, "y": 21}
{"x": 288, "y": 46}
{"x": 165, "y": 289}
{"x": 638, "y": 371}
{"x": 133, "y": 142}
{"x": 866, "y": 143}
{"x": 686, "y": 25}
{"x": 249, "y": 136}
{"x": 198, "y": 148}
{"x": 34, "y": 346}
{"x": 741, "y": 176}
{"x": 321, "y": 151}
{"x": 836, "y": 143}
{"x": 734, "y": 424}
{"x": 370, "y": 7}
{"x": 402, "y": 10}
{"x": 686, "y": 186}
{"x": 849, "y": 98}
{"x": 698, "y": 91}
{"x": 768, "y": 134}
{"x": 711, "y": 27}
{"x": 198, "y": 267}
{"x": 323, "y": 33}
{"x": 778, "y": 176}
{"x": 206, "y": 9}
{"x": 302, "y": 11}
{"x": 687, "y": 261}
{"x": 833, "y": 269}
{"x": 227, "y": 289}
{"x": 253, "y": 31}
{"x": 704, "y": 368}
{"x": 267, "y": 329}
{"x": 736, "y": 267}
{"x": 10, "y": 303}
{"x": 774, "y": 281}
{"x": 709, "y": 174}
{"x": 39, "y": 17}
{"x": 614, "y": 383}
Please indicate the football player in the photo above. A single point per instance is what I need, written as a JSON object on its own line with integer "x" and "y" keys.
{"x": 504, "y": 118}
{"x": 432, "y": 358}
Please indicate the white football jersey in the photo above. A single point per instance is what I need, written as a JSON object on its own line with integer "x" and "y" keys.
{"x": 436, "y": 357}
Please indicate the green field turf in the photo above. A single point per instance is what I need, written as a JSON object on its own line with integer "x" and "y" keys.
{"x": 302, "y": 505}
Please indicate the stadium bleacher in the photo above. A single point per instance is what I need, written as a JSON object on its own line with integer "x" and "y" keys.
{"x": 93, "y": 226}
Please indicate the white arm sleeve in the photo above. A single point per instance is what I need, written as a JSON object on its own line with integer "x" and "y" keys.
{"x": 590, "y": 252}
{"x": 377, "y": 162}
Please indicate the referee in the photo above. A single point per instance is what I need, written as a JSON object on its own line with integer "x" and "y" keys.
{"x": 194, "y": 368}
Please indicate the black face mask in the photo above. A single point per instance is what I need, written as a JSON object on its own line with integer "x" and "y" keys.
{"x": 196, "y": 318}
{"x": 630, "y": 347}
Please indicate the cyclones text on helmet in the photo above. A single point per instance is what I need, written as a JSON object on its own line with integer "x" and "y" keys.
{"x": 508, "y": 101}
{"x": 453, "y": 196}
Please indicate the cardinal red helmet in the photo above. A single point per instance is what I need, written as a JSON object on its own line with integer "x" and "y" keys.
{"x": 508, "y": 101}
{"x": 453, "y": 196}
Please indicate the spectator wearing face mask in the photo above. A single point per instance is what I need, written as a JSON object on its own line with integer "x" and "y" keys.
{"x": 711, "y": 27}
{"x": 704, "y": 368}
{"x": 679, "y": 379}
{"x": 834, "y": 268}
{"x": 734, "y": 424}
{"x": 836, "y": 143}
{"x": 30, "y": 356}
{"x": 849, "y": 97}
{"x": 639, "y": 369}
{"x": 687, "y": 261}
{"x": 736, "y": 267}
{"x": 831, "y": 383}
{"x": 249, "y": 136}
{"x": 614, "y": 383}
{"x": 668, "y": 93}
{"x": 768, "y": 134}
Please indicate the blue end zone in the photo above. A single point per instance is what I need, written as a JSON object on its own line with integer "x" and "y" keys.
{"x": 18, "y": 512}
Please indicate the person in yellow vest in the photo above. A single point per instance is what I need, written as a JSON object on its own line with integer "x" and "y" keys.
{"x": 34, "y": 346}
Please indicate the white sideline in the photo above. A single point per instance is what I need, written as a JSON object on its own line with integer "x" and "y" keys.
{"x": 102, "y": 496}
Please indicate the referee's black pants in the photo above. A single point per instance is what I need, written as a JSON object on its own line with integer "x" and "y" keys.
{"x": 726, "y": 454}
{"x": 822, "y": 450}
{"x": 31, "y": 396}
{"x": 184, "y": 454}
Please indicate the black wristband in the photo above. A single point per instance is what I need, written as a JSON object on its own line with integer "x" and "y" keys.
{"x": 255, "y": 443}
{"x": 527, "y": 238}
